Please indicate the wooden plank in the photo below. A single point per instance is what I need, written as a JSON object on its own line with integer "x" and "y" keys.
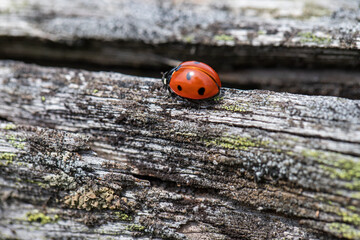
{"x": 330, "y": 82}
{"x": 150, "y": 36}
{"x": 117, "y": 152}
{"x": 148, "y": 33}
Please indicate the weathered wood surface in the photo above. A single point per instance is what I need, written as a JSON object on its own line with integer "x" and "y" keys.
{"x": 228, "y": 35}
{"x": 327, "y": 82}
{"x": 96, "y": 155}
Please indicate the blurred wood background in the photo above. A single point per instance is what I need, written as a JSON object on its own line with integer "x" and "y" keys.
{"x": 237, "y": 38}
{"x": 98, "y": 155}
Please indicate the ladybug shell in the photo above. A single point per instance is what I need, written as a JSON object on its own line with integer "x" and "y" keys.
{"x": 195, "y": 80}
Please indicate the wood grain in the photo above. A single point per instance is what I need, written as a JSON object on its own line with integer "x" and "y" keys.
{"x": 96, "y": 154}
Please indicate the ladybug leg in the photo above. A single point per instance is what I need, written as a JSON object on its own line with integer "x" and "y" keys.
{"x": 169, "y": 90}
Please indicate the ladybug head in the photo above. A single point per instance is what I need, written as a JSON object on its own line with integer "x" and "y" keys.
{"x": 165, "y": 78}
{"x": 167, "y": 75}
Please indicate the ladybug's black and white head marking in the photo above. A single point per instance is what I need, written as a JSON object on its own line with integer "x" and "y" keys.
{"x": 164, "y": 78}
{"x": 167, "y": 75}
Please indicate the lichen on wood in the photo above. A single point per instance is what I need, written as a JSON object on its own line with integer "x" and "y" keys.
{"x": 129, "y": 160}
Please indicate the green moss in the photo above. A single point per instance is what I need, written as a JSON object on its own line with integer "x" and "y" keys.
{"x": 7, "y": 156}
{"x": 224, "y": 37}
{"x": 16, "y": 142}
{"x": 10, "y": 126}
{"x": 353, "y": 185}
{"x": 40, "y": 184}
{"x": 10, "y": 138}
{"x": 43, "y": 98}
{"x": 236, "y": 142}
{"x": 189, "y": 38}
{"x": 41, "y": 217}
{"x": 122, "y": 216}
{"x": 347, "y": 215}
{"x": 344, "y": 230}
{"x": 95, "y": 91}
{"x": 218, "y": 98}
{"x": 343, "y": 171}
{"x": 21, "y": 164}
{"x": 350, "y": 217}
{"x": 308, "y": 37}
{"x": 355, "y": 195}
{"x": 19, "y": 145}
{"x": 338, "y": 166}
{"x": 352, "y": 208}
{"x": 135, "y": 228}
{"x": 235, "y": 108}
{"x": 290, "y": 153}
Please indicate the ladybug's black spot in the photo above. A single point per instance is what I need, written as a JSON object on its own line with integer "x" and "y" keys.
{"x": 196, "y": 62}
{"x": 201, "y": 91}
{"x": 179, "y": 87}
{"x": 189, "y": 75}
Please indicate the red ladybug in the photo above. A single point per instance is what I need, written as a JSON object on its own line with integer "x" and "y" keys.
{"x": 193, "y": 80}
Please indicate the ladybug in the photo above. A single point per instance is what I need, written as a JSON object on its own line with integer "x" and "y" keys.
{"x": 192, "y": 80}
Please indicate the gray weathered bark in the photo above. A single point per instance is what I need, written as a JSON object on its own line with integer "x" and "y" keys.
{"x": 96, "y": 155}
